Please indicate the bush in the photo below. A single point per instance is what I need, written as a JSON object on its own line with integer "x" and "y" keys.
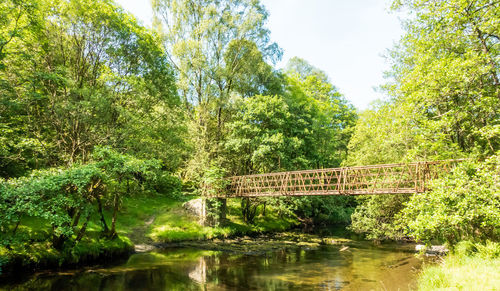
{"x": 214, "y": 181}
{"x": 59, "y": 196}
{"x": 168, "y": 184}
{"x": 464, "y": 205}
{"x": 375, "y": 216}
{"x": 3, "y": 260}
{"x": 489, "y": 250}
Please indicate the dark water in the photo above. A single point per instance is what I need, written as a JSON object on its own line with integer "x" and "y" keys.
{"x": 360, "y": 267}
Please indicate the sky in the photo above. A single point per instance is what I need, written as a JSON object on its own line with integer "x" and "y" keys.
{"x": 345, "y": 38}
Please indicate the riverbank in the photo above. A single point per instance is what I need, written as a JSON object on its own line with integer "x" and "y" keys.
{"x": 37, "y": 256}
{"x": 469, "y": 267}
{"x": 144, "y": 221}
{"x": 161, "y": 220}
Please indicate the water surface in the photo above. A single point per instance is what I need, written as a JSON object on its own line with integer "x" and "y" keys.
{"x": 360, "y": 266}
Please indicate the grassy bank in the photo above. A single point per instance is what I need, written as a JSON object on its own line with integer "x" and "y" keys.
{"x": 143, "y": 219}
{"x": 163, "y": 219}
{"x": 41, "y": 255}
{"x": 469, "y": 267}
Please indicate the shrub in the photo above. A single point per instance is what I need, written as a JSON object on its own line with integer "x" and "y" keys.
{"x": 375, "y": 216}
{"x": 59, "y": 196}
{"x": 168, "y": 184}
{"x": 464, "y": 205}
{"x": 214, "y": 181}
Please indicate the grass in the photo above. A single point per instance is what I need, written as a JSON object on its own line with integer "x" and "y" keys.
{"x": 470, "y": 267}
{"x": 142, "y": 219}
{"x": 170, "y": 222}
{"x": 41, "y": 255}
{"x": 160, "y": 218}
{"x": 178, "y": 225}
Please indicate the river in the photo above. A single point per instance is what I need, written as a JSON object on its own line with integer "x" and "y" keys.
{"x": 347, "y": 266}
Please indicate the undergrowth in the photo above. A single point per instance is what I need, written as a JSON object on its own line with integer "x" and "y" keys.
{"x": 470, "y": 266}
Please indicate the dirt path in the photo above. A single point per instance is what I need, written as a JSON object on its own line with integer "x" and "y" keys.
{"x": 143, "y": 243}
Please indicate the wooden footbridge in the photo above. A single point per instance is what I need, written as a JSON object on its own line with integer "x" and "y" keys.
{"x": 364, "y": 180}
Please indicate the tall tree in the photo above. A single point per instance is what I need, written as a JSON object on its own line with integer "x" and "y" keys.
{"x": 445, "y": 98}
{"x": 18, "y": 20}
{"x": 446, "y": 68}
{"x": 310, "y": 90}
{"x": 87, "y": 75}
{"x": 220, "y": 49}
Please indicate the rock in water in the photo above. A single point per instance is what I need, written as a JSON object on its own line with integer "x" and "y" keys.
{"x": 432, "y": 250}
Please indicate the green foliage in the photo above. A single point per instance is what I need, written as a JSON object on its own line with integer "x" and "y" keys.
{"x": 168, "y": 185}
{"x": 41, "y": 255}
{"x": 462, "y": 206}
{"x": 82, "y": 74}
{"x": 375, "y": 216}
{"x": 62, "y": 197}
{"x": 445, "y": 70}
{"x": 324, "y": 210}
{"x": 56, "y": 195}
{"x": 220, "y": 51}
{"x": 121, "y": 167}
{"x": 308, "y": 127}
{"x": 330, "y": 118}
{"x": 249, "y": 208}
{"x": 445, "y": 94}
{"x": 3, "y": 260}
{"x": 271, "y": 133}
{"x": 263, "y": 138}
{"x": 214, "y": 181}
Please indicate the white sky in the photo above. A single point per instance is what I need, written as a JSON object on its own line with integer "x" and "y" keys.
{"x": 344, "y": 38}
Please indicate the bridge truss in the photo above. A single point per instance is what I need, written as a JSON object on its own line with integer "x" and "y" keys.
{"x": 363, "y": 180}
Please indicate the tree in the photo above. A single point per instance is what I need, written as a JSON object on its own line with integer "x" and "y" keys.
{"x": 301, "y": 67}
{"x": 333, "y": 117}
{"x": 308, "y": 127}
{"x": 264, "y": 137}
{"x": 445, "y": 99}
{"x": 464, "y": 205}
{"x": 59, "y": 196}
{"x": 219, "y": 49}
{"x": 383, "y": 134}
{"x": 87, "y": 75}
{"x": 18, "y": 19}
{"x": 446, "y": 68}
{"x": 121, "y": 171}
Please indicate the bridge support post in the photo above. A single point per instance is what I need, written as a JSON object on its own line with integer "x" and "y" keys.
{"x": 214, "y": 211}
{"x": 222, "y": 209}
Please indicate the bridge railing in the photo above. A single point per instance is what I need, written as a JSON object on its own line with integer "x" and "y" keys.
{"x": 362, "y": 180}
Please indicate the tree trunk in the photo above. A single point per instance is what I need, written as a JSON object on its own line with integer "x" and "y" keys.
{"x": 58, "y": 241}
{"x": 15, "y": 228}
{"x": 103, "y": 221}
{"x": 76, "y": 219}
{"x": 115, "y": 212}
{"x": 83, "y": 229}
{"x": 222, "y": 210}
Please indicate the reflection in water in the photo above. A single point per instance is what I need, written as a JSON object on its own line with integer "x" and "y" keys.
{"x": 199, "y": 274}
{"x": 361, "y": 267}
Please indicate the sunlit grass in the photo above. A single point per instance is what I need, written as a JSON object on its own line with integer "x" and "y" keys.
{"x": 141, "y": 219}
{"x": 478, "y": 271}
{"x": 170, "y": 222}
{"x": 177, "y": 225}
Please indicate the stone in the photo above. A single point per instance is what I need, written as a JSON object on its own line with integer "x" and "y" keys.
{"x": 432, "y": 250}
{"x": 197, "y": 208}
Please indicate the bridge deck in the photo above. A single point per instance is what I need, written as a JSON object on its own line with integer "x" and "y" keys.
{"x": 364, "y": 180}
